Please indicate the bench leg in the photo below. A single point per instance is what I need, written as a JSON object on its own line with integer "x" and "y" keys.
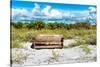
{"x": 33, "y": 46}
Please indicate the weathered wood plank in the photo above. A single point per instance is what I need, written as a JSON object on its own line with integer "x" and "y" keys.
{"x": 48, "y": 38}
{"x": 45, "y": 47}
{"x": 48, "y": 41}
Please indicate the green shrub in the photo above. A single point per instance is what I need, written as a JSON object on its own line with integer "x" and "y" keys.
{"x": 30, "y": 25}
{"x": 24, "y": 35}
{"x": 39, "y": 24}
{"x": 90, "y": 39}
{"x": 85, "y": 48}
{"x": 86, "y": 39}
{"x": 18, "y": 25}
{"x": 29, "y": 37}
{"x": 16, "y": 44}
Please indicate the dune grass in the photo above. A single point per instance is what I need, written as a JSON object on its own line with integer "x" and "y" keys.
{"x": 18, "y": 57}
{"x": 24, "y": 35}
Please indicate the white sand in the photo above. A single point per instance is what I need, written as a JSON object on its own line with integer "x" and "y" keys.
{"x": 54, "y": 56}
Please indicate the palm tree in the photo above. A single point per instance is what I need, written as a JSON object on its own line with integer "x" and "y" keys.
{"x": 39, "y": 24}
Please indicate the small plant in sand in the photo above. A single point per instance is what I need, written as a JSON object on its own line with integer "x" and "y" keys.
{"x": 55, "y": 55}
{"x": 18, "y": 57}
{"x": 85, "y": 48}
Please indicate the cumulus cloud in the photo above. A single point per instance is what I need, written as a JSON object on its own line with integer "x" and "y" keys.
{"x": 25, "y": 14}
{"x": 48, "y": 12}
{"x": 92, "y": 9}
{"x": 36, "y": 9}
{"x": 19, "y": 11}
{"x": 80, "y": 13}
{"x": 55, "y": 13}
{"x": 92, "y": 14}
{"x": 66, "y": 13}
{"x": 20, "y": 14}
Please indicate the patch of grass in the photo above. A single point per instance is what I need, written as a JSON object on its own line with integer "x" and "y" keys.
{"x": 66, "y": 46}
{"x": 16, "y": 44}
{"x": 56, "y": 55}
{"x": 71, "y": 45}
{"x": 84, "y": 41}
{"x": 90, "y": 39}
{"x": 24, "y": 35}
{"x": 18, "y": 57}
{"x": 95, "y": 58}
{"x": 85, "y": 48}
{"x": 87, "y": 39}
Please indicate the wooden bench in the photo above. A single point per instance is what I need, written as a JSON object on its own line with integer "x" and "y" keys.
{"x": 47, "y": 41}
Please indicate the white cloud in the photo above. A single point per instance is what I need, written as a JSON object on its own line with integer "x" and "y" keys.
{"x": 36, "y": 9}
{"x": 19, "y": 11}
{"x": 36, "y": 6}
{"x": 75, "y": 13}
{"x": 46, "y": 10}
{"x": 55, "y": 13}
{"x": 20, "y": 14}
{"x": 49, "y": 13}
{"x": 80, "y": 13}
{"x": 68, "y": 14}
{"x": 92, "y": 15}
{"x": 92, "y": 9}
{"x": 25, "y": 14}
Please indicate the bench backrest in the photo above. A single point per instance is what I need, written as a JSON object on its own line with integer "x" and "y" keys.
{"x": 48, "y": 38}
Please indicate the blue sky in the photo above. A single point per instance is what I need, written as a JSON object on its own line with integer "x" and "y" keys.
{"x": 26, "y": 10}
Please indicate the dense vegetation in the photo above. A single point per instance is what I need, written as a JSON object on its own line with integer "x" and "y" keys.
{"x": 23, "y": 32}
{"x": 39, "y": 24}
